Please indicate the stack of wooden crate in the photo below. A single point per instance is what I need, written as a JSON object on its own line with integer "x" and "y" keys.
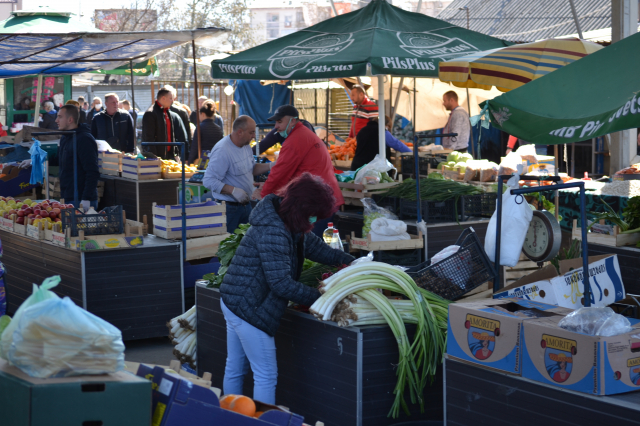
{"x": 141, "y": 168}
{"x": 110, "y": 163}
{"x": 206, "y": 226}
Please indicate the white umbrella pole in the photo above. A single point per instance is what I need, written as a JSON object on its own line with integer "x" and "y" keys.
{"x": 36, "y": 115}
{"x": 381, "y": 128}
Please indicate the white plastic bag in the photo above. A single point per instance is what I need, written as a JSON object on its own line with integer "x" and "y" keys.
{"x": 595, "y": 321}
{"x": 516, "y": 216}
{"x": 528, "y": 153}
{"x": 57, "y": 338}
{"x": 388, "y": 230}
{"x": 372, "y": 212}
{"x": 510, "y": 164}
{"x": 40, "y": 293}
{"x": 373, "y": 170}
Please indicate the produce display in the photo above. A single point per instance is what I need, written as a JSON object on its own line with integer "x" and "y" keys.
{"x": 173, "y": 166}
{"x": 182, "y": 333}
{"x": 344, "y": 151}
{"x": 272, "y": 151}
{"x": 240, "y": 404}
{"x": 351, "y": 295}
{"x": 226, "y": 251}
{"x": 629, "y": 223}
{"x": 433, "y": 188}
{"x": 456, "y": 160}
{"x": 634, "y": 169}
{"x": 28, "y": 212}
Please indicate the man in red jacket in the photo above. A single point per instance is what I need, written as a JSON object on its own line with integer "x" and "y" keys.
{"x": 302, "y": 152}
{"x": 364, "y": 109}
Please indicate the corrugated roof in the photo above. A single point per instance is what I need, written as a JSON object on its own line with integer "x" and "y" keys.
{"x": 528, "y": 20}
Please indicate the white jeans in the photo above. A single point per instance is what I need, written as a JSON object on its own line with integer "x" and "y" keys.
{"x": 247, "y": 345}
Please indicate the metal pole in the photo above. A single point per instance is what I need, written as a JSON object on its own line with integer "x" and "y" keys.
{"x": 184, "y": 209}
{"x": 326, "y": 109}
{"x": 333, "y": 6}
{"x": 473, "y": 145}
{"x": 585, "y": 248}
{"x": 46, "y": 178}
{"x": 381, "y": 128}
{"x": 416, "y": 158}
{"x": 195, "y": 78}
{"x": 575, "y": 18}
{"x": 498, "y": 280}
{"x": 133, "y": 107}
{"x": 36, "y": 115}
{"x": 573, "y": 160}
{"x": 75, "y": 171}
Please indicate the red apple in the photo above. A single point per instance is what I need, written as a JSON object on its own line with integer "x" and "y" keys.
{"x": 38, "y": 217}
{"x": 31, "y": 216}
{"x": 20, "y": 213}
{"x": 24, "y": 206}
{"x": 13, "y": 211}
{"x": 6, "y": 216}
{"x": 58, "y": 219}
{"x": 20, "y": 220}
{"x": 44, "y": 213}
{"x": 9, "y": 198}
{"x": 52, "y": 215}
{"x": 55, "y": 205}
{"x": 56, "y": 211}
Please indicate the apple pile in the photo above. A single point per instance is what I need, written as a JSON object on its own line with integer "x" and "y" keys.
{"x": 31, "y": 212}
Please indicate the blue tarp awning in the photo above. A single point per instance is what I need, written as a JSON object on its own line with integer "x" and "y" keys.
{"x": 23, "y": 54}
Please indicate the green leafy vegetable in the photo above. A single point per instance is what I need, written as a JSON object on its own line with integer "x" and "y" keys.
{"x": 609, "y": 215}
{"x": 631, "y": 213}
{"x": 4, "y": 322}
{"x": 226, "y": 251}
{"x": 573, "y": 252}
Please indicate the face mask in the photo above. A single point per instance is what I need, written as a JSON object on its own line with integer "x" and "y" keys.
{"x": 98, "y": 107}
{"x": 313, "y": 219}
{"x": 286, "y": 133}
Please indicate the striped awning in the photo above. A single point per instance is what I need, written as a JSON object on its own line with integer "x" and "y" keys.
{"x": 510, "y": 67}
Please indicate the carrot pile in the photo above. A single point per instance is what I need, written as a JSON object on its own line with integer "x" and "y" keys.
{"x": 344, "y": 151}
{"x": 409, "y": 144}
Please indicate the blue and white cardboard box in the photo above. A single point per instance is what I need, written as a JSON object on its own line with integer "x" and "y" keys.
{"x": 567, "y": 289}
{"x": 598, "y": 365}
{"x": 488, "y": 332}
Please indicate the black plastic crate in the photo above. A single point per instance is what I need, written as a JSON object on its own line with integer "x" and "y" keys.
{"x": 478, "y": 205}
{"x": 459, "y": 273}
{"x": 407, "y": 258}
{"x": 347, "y": 222}
{"x": 432, "y": 211}
{"x": 108, "y": 221}
{"x": 408, "y": 166}
{"x": 390, "y": 203}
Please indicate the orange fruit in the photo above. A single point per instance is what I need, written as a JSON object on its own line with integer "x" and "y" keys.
{"x": 258, "y": 414}
{"x": 226, "y": 400}
{"x": 243, "y": 405}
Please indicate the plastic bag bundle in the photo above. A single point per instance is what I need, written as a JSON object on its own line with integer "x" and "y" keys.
{"x": 510, "y": 164}
{"x": 383, "y": 229}
{"x": 595, "y": 322}
{"x": 40, "y": 293}
{"x": 372, "y": 212}
{"x": 372, "y": 172}
{"x": 528, "y": 153}
{"x": 516, "y": 217}
{"x": 57, "y": 338}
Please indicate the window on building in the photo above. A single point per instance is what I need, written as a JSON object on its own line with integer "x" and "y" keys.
{"x": 273, "y": 25}
{"x": 300, "y": 18}
{"x": 273, "y": 33}
{"x": 288, "y": 21}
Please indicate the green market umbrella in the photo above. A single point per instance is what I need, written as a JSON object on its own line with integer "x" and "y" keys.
{"x": 44, "y": 20}
{"x": 379, "y": 39}
{"x": 593, "y": 96}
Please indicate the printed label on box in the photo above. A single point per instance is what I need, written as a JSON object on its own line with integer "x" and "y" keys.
{"x": 165, "y": 387}
{"x": 558, "y": 356}
{"x": 482, "y": 336}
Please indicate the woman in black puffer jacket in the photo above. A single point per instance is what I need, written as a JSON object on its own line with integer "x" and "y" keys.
{"x": 262, "y": 279}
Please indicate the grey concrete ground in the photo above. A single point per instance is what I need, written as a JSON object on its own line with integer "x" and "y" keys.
{"x": 158, "y": 350}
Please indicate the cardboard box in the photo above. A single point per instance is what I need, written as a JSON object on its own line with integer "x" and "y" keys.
{"x": 567, "y": 289}
{"x": 101, "y": 242}
{"x": 488, "y": 332}
{"x": 545, "y": 165}
{"x": 596, "y": 365}
{"x": 112, "y": 399}
{"x": 194, "y": 193}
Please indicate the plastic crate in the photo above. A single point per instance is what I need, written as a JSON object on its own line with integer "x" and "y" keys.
{"x": 405, "y": 258}
{"x": 390, "y": 203}
{"x": 477, "y": 205}
{"x": 432, "y": 211}
{"x": 408, "y": 166}
{"x": 347, "y": 222}
{"x": 459, "y": 273}
{"x": 108, "y": 221}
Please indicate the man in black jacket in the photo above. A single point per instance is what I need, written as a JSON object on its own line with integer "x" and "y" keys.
{"x": 160, "y": 124}
{"x": 96, "y": 107}
{"x": 87, "y": 160}
{"x": 184, "y": 116}
{"x": 114, "y": 126}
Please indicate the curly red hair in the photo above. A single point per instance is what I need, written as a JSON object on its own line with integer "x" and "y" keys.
{"x": 305, "y": 196}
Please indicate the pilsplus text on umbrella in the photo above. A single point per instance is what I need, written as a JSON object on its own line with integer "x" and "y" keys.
{"x": 407, "y": 64}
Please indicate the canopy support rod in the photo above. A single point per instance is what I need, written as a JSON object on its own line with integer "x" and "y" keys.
{"x": 575, "y": 18}
{"x": 36, "y": 115}
{"x": 42, "y": 51}
{"x": 381, "y": 128}
{"x": 133, "y": 98}
{"x": 333, "y": 6}
{"x": 195, "y": 88}
{"x": 473, "y": 145}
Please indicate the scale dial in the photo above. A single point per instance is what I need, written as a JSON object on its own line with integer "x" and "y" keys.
{"x": 543, "y": 238}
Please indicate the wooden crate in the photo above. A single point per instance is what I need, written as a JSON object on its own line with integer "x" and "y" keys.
{"x": 141, "y": 169}
{"x": 615, "y": 240}
{"x": 415, "y": 242}
{"x": 456, "y": 174}
{"x": 199, "y": 248}
{"x": 176, "y": 175}
{"x": 353, "y": 193}
{"x": 522, "y": 269}
{"x": 203, "y": 220}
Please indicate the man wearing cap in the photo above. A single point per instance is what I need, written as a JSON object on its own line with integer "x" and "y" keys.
{"x": 303, "y": 152}
{"x": 231, "y": 169}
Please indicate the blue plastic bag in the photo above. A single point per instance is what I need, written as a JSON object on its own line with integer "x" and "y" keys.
{"x": 38, "y": 157}
{"x": 57, "y": 338}
{"x": 3, "y": 294}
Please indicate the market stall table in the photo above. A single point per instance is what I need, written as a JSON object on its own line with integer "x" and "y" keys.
{"x": 135, "y": 289}
{"x": 479, "y": 396}
{"x": 137, "y": 196}
{"x": 340, "y": 376}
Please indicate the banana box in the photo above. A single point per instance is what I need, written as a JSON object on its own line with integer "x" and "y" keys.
{"x": 597, "y": 365}
{"x": 488, "y": 332}
{"x": 101, "y": 242}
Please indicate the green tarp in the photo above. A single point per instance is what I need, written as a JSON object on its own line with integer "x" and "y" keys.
{"x": 385, "y": 38}
{"x": 140, "y": 69}
{"x": 594, "y": 96}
